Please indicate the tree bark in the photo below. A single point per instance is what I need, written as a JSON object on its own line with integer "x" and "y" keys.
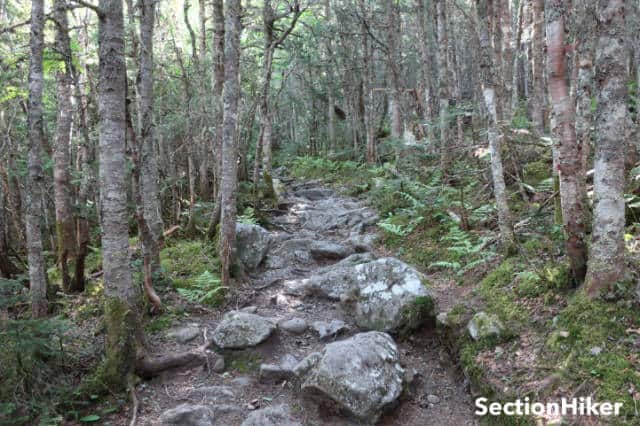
{"x": 443, "y": 92}
{"x": 61, "y": 149}
{"x": 537, "y": 97}
{"x": 571, "y": 173}
{"x": 218, "y": 110}
{"x": 149, "y": 176}
{"x": 507, "y": 236}
{"x": 394, "y": 68}
{"x": 37, "y": 274}
{"x": 231, "y": 95}
{"x": 606, "y": 258}
{"x": 121, "y": 295}
{"x": 425, "y": 91}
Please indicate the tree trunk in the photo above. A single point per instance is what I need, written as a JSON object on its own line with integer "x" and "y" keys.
{"x": 367, "y": 53}
{"x": 606, "y": 258}
{"x": 537, "y": 98}
{"x": 508, "y": 46}
{"x": 121, "y": 295}
{"x": 231, "y": 95}
{"x": 37, "y": 274}
{"x": 507, "y": 236}
{"x": 424, "y": 83}
{"x": 571, "y": 173}
{"x": 443, "y": 92}
{"x": 61, "y": 150}
{"x": 393, "y": 67}
{"x": 218, "y": 110}
{"x": 149, "y": 177}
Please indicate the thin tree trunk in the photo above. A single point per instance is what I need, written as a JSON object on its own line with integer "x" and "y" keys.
{"x": 37, "y": 274}
{"x": 149, "y": 177}
{"x": 393, "y": 67}
{"x": 537, "y": 98}
{"x": 606, "y": 258}
{"x": 61, "y": 150}
{"x": 443, "y": 93}
{"x": 231, "y": 95}
{"x": 507, "y": 236}
{"x": 571, "y": 173}
{"x": 121, "y": 295}
{"x": 218, "y": 110}
{"x": 424, "y": 83}
{"x": 508, "y": 46}
{"x": 367, "y": 52}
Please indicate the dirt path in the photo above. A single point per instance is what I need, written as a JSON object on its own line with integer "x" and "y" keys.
{"x": 311, "y": 214}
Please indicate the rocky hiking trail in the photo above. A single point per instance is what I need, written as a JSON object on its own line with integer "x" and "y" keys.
{"x": 328, "y": 331}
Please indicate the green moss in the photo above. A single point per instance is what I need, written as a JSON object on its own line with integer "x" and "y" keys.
{"x": 537, "y": 171}
{"x": 597, "y": 323}
{"x": 420, "y": 310}
{"x": 244, "y": 361}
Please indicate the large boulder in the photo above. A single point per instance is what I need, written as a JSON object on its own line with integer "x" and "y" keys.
{"x": 359, "y": 376}
{"x": 384, "y": 294}
{"x": 187, "y": 415}
{"x": 252, "y": 242}
{"x": 239, "y": 330}
{"x": 276, "y": 415}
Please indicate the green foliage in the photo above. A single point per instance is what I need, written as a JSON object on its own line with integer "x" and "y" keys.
{"x": 206, "y": 289}
{"x": 465, "y": 252}
{"x": 248, "y": 216}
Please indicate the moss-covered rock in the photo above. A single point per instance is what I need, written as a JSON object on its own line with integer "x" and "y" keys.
{"x": 485, "y": 326}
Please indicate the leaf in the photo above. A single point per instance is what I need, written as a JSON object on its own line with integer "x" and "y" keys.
{"x": 90, "y": 418}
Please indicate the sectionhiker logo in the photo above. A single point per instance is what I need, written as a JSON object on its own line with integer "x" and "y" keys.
{"x": 564, "y": 407}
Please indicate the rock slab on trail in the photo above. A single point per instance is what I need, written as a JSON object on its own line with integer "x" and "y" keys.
{"x": 359, "y": 376}
{"x": 252, "y": 242}
{"x": 239, "y": 330}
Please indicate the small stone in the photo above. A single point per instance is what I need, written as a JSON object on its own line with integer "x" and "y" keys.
{"x": 327, "y": 330}
{"x": 184, "y": 334}
{"x": 249, "y": 309}
{"x": 563, "y": 333}
{"x": 441, "y": 319}
{"x": 241, "y": 381}
{"x": 277, "y": 415}
{"x": 433, "y": 399}
{"x": 238, "y": 330}
{"x": 294, "y": 325}
{"x": 595, "y": 351}
{"x": 278, "y": 372}
{"x": 218, "y": 365}
{"x": 484, "y": 325}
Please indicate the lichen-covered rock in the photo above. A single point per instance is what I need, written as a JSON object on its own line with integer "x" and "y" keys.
{"x": 361, "y": 375}
{"x": 276, "y": 415}
{"x": 329, "y": 329}
{"x": 484, "y": 325}
{"x": 184, "y": 334}
{"x": 252, "y": 243}
{"x": 284, "y": 370}
{"x": 187, "y": 415}
{"x": 239, "y": 330}
{"x": 385, "y": 294}
{"x": 294, "y": 325}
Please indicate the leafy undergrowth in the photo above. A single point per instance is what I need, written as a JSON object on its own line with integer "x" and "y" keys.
{"x": 557, "y": 343}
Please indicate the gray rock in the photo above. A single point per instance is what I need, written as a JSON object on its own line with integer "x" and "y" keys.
{"x": 252, "y": 242}
{"x": 270, "y": 373}
{"x": 240, "y": 330}
{"x": 222, "y": 409}
{"x": 484, "y": 325}
{"x": 242, "y": 381}
{"x": 216, "y": 393}
{"x": 313, "y": 194}
{"x": 327, "y": 330}
{"x": 385, "y": 294}
{"x": 276, "y": 415}
{"x": 249, "y": 309}
{"x": 330, "y": 250}
{"x": 595, "y": 351}
{"x": 361, "y": 375}
{"x": 218, "y": 365}
{"x": 187, "y": 415}
{"x": 184, "y": 334}
{"x": 307, "y": 364}
{"x": 294, "y": 325}
{"x": 433, "y": 399}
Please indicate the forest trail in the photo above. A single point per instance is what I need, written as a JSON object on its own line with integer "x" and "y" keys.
{"x": 308, "y": 215}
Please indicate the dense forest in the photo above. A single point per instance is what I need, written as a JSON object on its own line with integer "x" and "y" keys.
{"x": 319, "y": 212}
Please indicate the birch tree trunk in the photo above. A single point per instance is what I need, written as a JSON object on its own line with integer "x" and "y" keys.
{"x": 121, "y": 295}
{"x": 507, "y": 236}
{"x": 231, "y": 95}
{"x": 606, "y": 258}
{"x": 149, "y": 177}
{"x": 33, "y": 213}
{"x": 571, "y": 173}
{"x": 393, "y": 67}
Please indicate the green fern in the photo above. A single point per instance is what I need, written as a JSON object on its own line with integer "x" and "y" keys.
{"x": 206, "y": 289}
